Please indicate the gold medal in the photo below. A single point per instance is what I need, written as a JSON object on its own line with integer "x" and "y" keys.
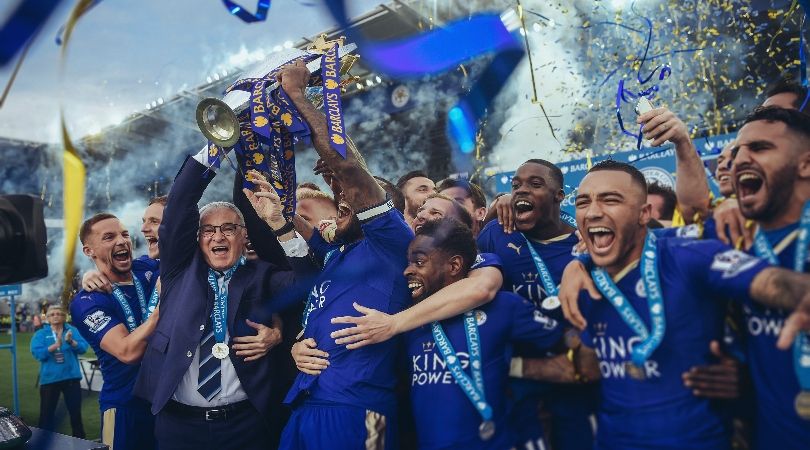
{"x": 635, "y": 372}
{"x": 802, "y": 405}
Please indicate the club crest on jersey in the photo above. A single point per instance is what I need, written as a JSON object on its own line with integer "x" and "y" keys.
{"x": 733, "y": 262}
{"x": 514, "y": 247}
{"x": 530, "y": 277}
{"x": 97, "y": 321}
{"x": 692, "y": 231}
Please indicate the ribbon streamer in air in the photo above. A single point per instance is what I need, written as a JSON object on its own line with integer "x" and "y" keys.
{"x": 443, "y": 49}
{"x": 73, "y": 172}
{"x": 242, "y": 13}
{"x": 22, "y": 25}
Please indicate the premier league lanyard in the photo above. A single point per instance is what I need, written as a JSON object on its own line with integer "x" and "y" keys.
{"x": 551, "y": 301}
{"x": 568, "y": 218}
{"x": 220, "y": 312}
{"x": 122, "y": 301}
{"x": 655, "y": 302}
{"x": 473, "y": 388}
{"x": 763, "y": 249}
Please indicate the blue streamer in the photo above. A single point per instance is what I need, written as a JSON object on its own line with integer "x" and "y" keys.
{"x": 440, "y": 50}
{"x": 242, "y": 13}
{"x": 22, "y": 25}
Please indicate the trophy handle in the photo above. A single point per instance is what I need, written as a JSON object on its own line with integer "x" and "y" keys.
{"x": 218, "y": 122}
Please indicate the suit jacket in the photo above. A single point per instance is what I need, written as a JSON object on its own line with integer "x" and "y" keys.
{"x": 256, "y": 291}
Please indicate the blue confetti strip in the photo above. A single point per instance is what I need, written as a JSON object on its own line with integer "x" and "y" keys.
{"x": 261, "y": 11}
{"x": 22, "y": 25}
{"x": 443, "y": 49}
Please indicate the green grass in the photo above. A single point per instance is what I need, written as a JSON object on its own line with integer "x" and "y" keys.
{"x": 27, "y": 372}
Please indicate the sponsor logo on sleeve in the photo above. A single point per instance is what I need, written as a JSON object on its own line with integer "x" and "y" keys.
{"x": 97, "y": 321}
{"x": 733, "y": 262}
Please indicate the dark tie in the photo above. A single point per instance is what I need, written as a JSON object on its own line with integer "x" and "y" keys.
{"x": 209, "y": 380}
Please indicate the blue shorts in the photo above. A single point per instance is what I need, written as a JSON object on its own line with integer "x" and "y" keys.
{"x": 130, "y": 427}
{"x": 321, "y": 425}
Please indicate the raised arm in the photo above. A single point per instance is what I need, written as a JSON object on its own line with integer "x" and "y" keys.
{"x": 360, "y": 189}
{"x": 691, "y": 186}
{"x": 181, "y": 218}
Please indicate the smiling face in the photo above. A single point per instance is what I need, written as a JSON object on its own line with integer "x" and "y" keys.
{"x": 765, "y": 168}
{"x": 723, "y": 172}
{"x": 110, "y": 248}
{"x": 433, "y": 209}
{"x": 221, "y": 252}
{"x": 152, "y": 217}
{"x": 612, "y": 214}
{"x": 429, "y": 268}
{"x": 348, "y": 225}
{"x": 536, "y": 196}
{"x": 55, "y": 316}
{"x": 416, "y": 190}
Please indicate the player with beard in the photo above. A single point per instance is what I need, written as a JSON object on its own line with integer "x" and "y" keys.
{"x": 660, "y": 313}
{"x": 117, "y": 326}
{"x": 352, "y": 404}
{"x": 416, "y": 186}
{"x": 533, "y": 258}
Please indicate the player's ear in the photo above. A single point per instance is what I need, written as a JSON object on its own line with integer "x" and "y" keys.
{"x": 645, "y": 215}
{"x": 456, "y": 264}
{"x": 559, "y": 196}
{"x": 804, "y": 165}
{"x": 88, "y": 251}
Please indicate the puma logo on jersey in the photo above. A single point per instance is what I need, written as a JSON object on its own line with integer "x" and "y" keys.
{"x": 514, "y": 247}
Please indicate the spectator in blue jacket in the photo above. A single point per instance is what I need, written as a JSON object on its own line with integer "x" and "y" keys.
{"x": 58, "y": 346}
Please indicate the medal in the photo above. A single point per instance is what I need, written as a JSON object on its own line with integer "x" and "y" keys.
{"x": 552, "y": 302}
{"x": 635, "y": 372}
{"x": 802, "y": 405}
{"x": 220, "y": 350}
{"x": 486, "y": 430}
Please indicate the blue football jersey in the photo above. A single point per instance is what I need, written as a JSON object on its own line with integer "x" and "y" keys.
{"x": 96, "y": 313}
{"x": 443, "y": 414}
{"x": 659, "y": 411}
{"x": 368, "y": 272}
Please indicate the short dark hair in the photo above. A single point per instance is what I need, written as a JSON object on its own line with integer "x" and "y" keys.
{"x": 618, "y": 166}
{"x": 395, "y": 193}
{"x": 796, "y": 121}
{"x": 410, "y": 175}
{"x": 308, "y": 185}
{"x": 453, "y": 238}
{"x": 460, "y": 211}
{"x": 787, "y": 86}
{"x": 555, "y": 171}
{"x": 162, "y": 200}
{"x": 670, "y": 199}
{"x": 87, "y": 226}
{"x": 473, "y": 190}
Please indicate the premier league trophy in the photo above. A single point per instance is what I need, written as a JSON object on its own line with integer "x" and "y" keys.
{"x": 257, "y": 119}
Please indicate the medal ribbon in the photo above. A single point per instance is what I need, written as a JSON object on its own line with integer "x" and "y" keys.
{"x": 763, "y": 249}
{"x": 568, "y": 218}
{"x": 122, "y": 301}
{"x": 542, "y": 270}
{"x": 655, "y": 302}
{"x": 473, "y": 388}
{"x": 219, "y": 314}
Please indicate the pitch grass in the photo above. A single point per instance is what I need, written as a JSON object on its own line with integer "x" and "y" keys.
{"x": 27, "y": 372}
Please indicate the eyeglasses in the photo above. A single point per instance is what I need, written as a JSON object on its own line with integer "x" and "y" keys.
{"x": 227, "y": 229}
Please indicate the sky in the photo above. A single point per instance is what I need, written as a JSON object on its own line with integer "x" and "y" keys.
{"x": 126, "y": 54}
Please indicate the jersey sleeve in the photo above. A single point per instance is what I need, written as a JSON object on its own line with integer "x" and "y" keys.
{"x": 487, "y": 260}
{"x": 320, "y": 248}
{"x": 718, "y": 269}
{"x": 388, "y": 232}
{"x": 145, "y": 264}
{"x": 93, "y": 316}
{"x": 530, "y": 326}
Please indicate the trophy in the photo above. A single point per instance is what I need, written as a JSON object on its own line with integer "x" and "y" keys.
{"x": 218, "y": 119}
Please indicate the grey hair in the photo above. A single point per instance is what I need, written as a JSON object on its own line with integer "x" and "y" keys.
{"x": 222, "y": 205}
